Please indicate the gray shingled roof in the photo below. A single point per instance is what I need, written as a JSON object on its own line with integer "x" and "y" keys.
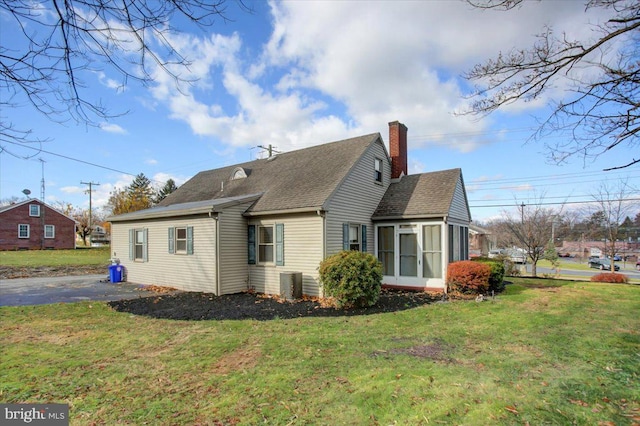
{"x": 422, "y": 195}
{"x": 302, "y": 179}
{"x": 184, "y": 209}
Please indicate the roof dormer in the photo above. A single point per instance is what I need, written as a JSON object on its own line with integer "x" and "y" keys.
{"x": 238, "y": 173}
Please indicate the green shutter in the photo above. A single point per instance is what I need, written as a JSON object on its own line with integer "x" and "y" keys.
{"x": 189, "y": 239}
{"x": 364, "y": 238}
{"x": 251, "y": 244}
{"x": 280, "y": 244}
{"x": 145, "y": 234}
{"x": 172, "y": 233}
{"x": 345, "y": 236}
{"x": 132, "y": 242}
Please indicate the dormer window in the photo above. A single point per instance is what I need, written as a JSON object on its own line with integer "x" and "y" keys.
{"x": 238, "y": 173}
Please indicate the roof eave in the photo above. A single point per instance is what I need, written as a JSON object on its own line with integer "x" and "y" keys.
{"x": 160, "y": 214}
{"x": 284, "y": 211}
{"x": 410, "y": 216}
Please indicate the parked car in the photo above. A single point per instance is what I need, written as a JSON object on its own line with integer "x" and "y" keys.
{"x": 602, "y": 264}
{"x": 495, "y": 253}
{"x": 517, "y": 256}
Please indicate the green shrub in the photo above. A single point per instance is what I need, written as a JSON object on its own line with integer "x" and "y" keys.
{"x": 468, "y": 277}
{"x": 608, "y": 277}
{"x": 353, "y": 278}
{"x": 496, "y": 279}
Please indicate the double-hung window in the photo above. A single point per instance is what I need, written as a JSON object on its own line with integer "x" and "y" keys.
{"x": 266, "y": 244}
{"x": 23, "y": 231}
{"x": 181, "y": 240}
{"x": 138, "y": 243}
{"x": 49, "y": 231}
{"x": 34, "y": 210}
{"x": 354, "y": 237}
{"x": 378, "y": 170}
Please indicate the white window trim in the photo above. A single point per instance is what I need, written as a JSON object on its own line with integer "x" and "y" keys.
{"x": 28, "y": 228}
{"x": 260, "y": 243}
{"x": 358, "y": 235}
{"x": 377, "y": 172}
{"x": 53, "y": 231}
{"x": 176, "y": 240}
{"x": 136, "y": 244}
{"x": 31, "y": 206}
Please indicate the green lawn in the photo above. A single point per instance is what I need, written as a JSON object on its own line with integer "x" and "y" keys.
{"x": 78, "y": 257}
{"x": 544, "y": 352}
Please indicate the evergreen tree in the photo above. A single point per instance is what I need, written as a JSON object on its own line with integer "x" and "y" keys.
{"x": 167, "y": 189}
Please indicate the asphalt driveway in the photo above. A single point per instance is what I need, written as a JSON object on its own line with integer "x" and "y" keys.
{"x": 42, "y": 291}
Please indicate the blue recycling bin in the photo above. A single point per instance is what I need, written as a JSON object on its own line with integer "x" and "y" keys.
{"x": 115, "y": 273}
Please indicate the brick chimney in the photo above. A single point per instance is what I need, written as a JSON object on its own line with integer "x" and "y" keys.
{"x": 398, "y": 148}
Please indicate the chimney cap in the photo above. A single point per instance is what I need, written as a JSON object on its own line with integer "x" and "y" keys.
{"x": 397, "y": 123}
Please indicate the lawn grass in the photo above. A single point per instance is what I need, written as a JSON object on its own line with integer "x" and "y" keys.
{"x": 543, "y": 352}
{"x": 77, "y": 257}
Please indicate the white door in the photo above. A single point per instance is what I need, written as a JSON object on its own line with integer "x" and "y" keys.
{"x": 409, "y": 261}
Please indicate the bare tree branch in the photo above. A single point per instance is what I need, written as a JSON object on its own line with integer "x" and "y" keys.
{"x": 604, "y": 111}
{"x": 61, "y": 42}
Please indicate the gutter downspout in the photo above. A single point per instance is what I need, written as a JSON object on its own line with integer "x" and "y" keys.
{"x": 217, "y": 231}
{"x": 446, "y": 232}
{"x": 323, "y": 215}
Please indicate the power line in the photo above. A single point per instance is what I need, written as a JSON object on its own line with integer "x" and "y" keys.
{"x": 78, "y": 160}
{"x": 553, "y": 204}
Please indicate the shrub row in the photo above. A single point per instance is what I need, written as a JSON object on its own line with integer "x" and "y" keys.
{"x": 608, "y": 277}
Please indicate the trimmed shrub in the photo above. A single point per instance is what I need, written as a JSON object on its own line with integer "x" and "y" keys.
{"x": 496, "y": 279}
{"x": 468, "y": 277}
{"x": 608, "y": 277}
{"x": 353, "y": 278}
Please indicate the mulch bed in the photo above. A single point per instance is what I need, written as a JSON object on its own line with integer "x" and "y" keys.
{"x": 205, "y": 306}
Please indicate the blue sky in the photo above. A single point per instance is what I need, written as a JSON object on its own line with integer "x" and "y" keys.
{"x": 296, "y": 74}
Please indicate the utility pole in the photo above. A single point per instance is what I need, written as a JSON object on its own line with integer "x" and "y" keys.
{"x": 90, "y": 190}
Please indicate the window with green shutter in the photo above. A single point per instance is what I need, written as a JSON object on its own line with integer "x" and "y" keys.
{"x": 280, "y": 244}
{"x": 180, "y": 240}
{"x": 251, "y": 244}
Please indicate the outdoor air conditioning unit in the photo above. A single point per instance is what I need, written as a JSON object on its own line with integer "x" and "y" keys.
{"x": 291, "y": 285}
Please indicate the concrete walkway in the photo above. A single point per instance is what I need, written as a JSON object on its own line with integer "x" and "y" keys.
{"x": 45, "y": 290}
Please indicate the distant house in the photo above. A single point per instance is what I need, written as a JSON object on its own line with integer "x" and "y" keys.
{"x": 481, "y": 241}
{"x": 31, "y": 224}
{"x": 238, "y": 227}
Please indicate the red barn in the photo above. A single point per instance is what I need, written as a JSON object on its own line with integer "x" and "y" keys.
{"x": 31, "y": 224}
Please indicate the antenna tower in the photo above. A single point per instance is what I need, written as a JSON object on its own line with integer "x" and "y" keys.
{"x": 42, "y": 180}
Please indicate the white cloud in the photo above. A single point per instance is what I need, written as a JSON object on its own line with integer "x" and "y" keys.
{"x": 151, "y": 161}
{"x": 109, "y": 82}
{"x": 161, "y": 178}
{"x": 113, "y": 128}
{"x": 72, "y": 189}
{"x": 333, "y": 69}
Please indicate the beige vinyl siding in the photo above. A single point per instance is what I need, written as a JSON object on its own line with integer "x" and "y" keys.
{"x": 195, "y": 272}
{"x": 234, "y": 268}
{"x": 302, "y": 253}
{"x": 357, "y": 198}
{"x": 459, "y": 210}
